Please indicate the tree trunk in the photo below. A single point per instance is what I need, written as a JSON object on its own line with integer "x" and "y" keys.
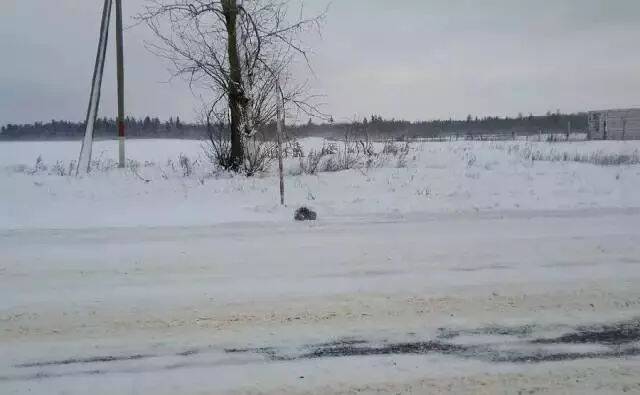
{"x": 236, "y": 94}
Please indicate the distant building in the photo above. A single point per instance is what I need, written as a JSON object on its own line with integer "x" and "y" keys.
{"x": 620, "y": 124}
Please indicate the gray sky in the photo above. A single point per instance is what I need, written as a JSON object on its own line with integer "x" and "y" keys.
{"x": 412, "y": 59}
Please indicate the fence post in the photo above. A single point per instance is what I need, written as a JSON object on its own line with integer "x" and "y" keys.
{"x": 279, "y": 131}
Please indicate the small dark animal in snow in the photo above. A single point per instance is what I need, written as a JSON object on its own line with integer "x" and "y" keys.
{"x": 305, "y": 214}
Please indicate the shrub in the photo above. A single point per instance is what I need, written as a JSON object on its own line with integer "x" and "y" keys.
{"x": 258, "y": 154}
{"x": 257, "y": 157}
{"x": 296, "y": 150}
{"x": 390, "y": 148}
{"x": 39, "y": 166}
{"x": 329, "y": 149}
{"x": 186, "y": 165}
{"x": 366, "y": 147}
{"x": 402, "y": 154}
{"x": 59, "y": 169}
{"x": 470, "y": 158}
{"x": 312, "y": 163}
{"x": 343, "y": 160}
{"x": 218, "y": 148}
{"x": 599, "y": 158}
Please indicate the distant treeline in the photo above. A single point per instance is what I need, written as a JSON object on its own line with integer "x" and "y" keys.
{"x": 377, "y": 127}
{"x": 374, "y": 126}
{"x": 105, "y": 128}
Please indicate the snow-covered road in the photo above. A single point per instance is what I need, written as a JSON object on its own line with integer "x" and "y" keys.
{"x": 462, "y": 303}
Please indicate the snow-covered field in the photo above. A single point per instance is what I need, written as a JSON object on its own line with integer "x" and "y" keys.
{"x": 472, "y": 269}
{"x": 439, "y": 178}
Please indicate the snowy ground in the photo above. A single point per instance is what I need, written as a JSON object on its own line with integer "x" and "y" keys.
{"x": 470, "y": 270}
{"x": 439, "y": 178}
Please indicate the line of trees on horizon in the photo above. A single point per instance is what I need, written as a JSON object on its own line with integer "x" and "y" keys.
{"x": 376, "y": 126}
{"x": 105, "y": 128}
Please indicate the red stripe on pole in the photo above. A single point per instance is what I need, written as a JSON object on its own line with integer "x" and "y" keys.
{"x": 120, "y": 129}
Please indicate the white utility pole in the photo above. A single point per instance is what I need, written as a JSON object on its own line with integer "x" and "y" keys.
{"x": 84, "y": 161}
{"x": 94, "y": 99}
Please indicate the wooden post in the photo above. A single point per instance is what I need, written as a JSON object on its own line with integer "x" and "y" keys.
{"x": 624, "y": 127}
{"x": 568, "y": 129}
{"x": 279, "y": 131}
{"x": 120, "y": 65}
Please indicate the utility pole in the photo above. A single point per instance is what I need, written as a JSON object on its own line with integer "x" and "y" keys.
{"x": 84, "y": 161}
{"x": 120, "y": 61}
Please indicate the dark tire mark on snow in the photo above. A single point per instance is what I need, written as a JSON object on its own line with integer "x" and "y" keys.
{"x": 387, "y": 349}
{"x": 570, "y": 264}
{"x": 479, "y": 268}
{"x": 618, "y": 340}
{"x": 480, "y": 352}
{"x": 237, "y": 350}
{"x": 71, "y": 361}
{"x": 559, "y": 357}
{"x": 612, "y": 336}
{"x": 187, "y": 353}
{"x": 51, "y": 375}
{"x": 518, "y": 331}
{"x": 342, "y": 342}
{"x": 621, "y": 333}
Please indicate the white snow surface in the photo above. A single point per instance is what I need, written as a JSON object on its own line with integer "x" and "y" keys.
{"x": 110, "y": 284}
{"x": 439, "y": 178}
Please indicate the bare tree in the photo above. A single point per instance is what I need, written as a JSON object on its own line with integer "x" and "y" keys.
{"x": 240, "y": 50}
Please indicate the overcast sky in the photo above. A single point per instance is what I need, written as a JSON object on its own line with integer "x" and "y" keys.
{"x": 412, "y": 59}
